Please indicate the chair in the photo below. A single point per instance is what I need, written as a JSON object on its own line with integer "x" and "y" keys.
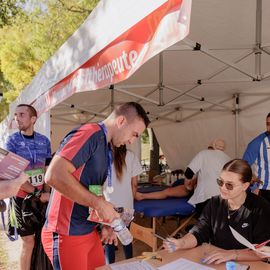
{"x": 144, "y": 234}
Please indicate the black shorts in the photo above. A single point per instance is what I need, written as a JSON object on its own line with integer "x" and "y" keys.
{"x": 23, "y": 229}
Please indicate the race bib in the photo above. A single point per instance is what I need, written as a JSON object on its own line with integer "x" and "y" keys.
{"x": 36, "y": 176}
{"x": 96, "y": 189}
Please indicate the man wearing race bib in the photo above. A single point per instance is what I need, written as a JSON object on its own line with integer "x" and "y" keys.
{"x": 36, "y": 148}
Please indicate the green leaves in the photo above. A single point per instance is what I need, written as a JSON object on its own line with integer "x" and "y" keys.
{"x": 30, "y": 33}
{"x": 8, "y": 9}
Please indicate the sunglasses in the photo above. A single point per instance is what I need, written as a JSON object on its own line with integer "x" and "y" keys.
{"x": 228, "y": 186}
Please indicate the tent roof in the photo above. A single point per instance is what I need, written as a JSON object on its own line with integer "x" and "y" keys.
{"x": 221, "y": 69}
{"x": 183, "y": 81}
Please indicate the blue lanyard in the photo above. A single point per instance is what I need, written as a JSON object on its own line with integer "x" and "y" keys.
{"x": 32, "y": 156}
{"x": 110, "y": 157}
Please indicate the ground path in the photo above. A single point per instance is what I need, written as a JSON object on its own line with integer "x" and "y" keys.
{"x": 9, "y": 251}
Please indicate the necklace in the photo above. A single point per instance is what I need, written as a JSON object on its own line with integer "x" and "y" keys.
{"x": 231, "y": 213}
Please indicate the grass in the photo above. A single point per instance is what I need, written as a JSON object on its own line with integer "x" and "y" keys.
{"x": 6, "y": 263}
{"x": 3, "y": 253}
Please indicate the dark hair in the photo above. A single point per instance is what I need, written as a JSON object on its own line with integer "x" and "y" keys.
{"x": 31, "y": 109}
{"x": 268, "y": 115}
{"x": 131, "y": 110}
{"x": 119, "y": 155}
{"x": 241, "y": 167}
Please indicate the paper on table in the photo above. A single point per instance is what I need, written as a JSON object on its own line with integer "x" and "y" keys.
{"x": 184, "y": 264}
{"x": 245, "y": 242}
{"x": 136, "y": 265}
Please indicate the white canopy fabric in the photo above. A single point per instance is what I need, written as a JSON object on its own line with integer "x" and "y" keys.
{"x": 215, "y": 83}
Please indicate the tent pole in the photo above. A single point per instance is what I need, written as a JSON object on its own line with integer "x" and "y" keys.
{"x": 259, "y": 102}
{"x": 197, "y": 98}
{"x": 258, "y": 52}
{"x": 237, "y": 110}
{"x": 135, "y": 95}
{"x": 160, "y": 85}
{"x": 189, "y": 116}
{"x": 81, "y": 108}
{"x": 112, "y": 97}
{"x": 199, "y": 47}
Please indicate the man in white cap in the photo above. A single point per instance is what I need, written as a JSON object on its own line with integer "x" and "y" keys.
{"x": 206, "y": 165}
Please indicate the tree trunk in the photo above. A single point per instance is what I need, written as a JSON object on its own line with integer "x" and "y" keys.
{"x": 154, "y": 155}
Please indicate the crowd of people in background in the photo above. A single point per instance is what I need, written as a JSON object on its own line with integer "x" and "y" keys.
{"x": 92, "y": 170}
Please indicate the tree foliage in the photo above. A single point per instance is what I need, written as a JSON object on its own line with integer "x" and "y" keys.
{"x": 36, "y": 32}
{"x": 145, "y": 136}
{"x": 8, "y": 10}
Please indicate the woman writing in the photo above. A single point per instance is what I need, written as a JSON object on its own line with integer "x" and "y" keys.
{"x": 246, "y": 212}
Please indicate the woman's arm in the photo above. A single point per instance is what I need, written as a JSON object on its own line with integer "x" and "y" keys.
{"x": 60, "y": 176}
{"x": 187, "y": 241}
{"x": 222, "y": 255}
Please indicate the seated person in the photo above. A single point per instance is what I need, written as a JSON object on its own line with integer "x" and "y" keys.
{"x": 246, "y": 212}
{"x": 173, "y": 191}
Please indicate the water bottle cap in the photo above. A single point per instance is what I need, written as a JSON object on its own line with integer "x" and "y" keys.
{"x": 230, "y": 265}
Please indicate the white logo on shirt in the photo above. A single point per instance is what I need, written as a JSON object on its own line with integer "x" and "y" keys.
{"x": 22, "y": 144}
{"x": 244, "y": 225}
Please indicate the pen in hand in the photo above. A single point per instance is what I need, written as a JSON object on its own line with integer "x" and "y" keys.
{"x": 171, "y": 244}
{"x": 160, "y": 237}
{"x": 262, "y": 244}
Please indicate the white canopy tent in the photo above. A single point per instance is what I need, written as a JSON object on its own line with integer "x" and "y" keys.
{"x": 215, "y": 83}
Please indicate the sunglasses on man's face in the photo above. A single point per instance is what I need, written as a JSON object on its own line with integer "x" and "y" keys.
{"x": 228, "y": 186}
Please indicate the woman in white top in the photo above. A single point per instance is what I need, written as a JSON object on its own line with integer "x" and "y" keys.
{"x": 125, "y": 171}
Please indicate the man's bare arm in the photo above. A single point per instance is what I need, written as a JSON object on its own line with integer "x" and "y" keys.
{"x": 59, "y": 176}
{"x": 9, "y": 188}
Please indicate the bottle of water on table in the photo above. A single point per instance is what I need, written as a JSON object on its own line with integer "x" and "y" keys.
{"x": 122, "y": 231}
{"x": 230, "y": 265}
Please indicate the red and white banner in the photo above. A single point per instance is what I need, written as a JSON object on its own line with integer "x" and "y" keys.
{"x": 163, "y": 27}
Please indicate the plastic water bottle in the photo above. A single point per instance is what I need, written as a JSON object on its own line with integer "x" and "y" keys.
{"x": 122, "y": 231}
{"x": 230, "y": 265}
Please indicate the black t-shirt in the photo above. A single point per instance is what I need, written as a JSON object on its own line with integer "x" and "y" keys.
{"x": 251, "y": 220}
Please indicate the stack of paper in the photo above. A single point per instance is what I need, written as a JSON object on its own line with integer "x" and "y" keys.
{"x": 180, "y": 264}
{"x": 136, "y": 265}
{"x": 183, "y": 264}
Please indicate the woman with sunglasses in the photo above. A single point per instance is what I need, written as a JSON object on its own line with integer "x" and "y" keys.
{"x": 246, "y": 212}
